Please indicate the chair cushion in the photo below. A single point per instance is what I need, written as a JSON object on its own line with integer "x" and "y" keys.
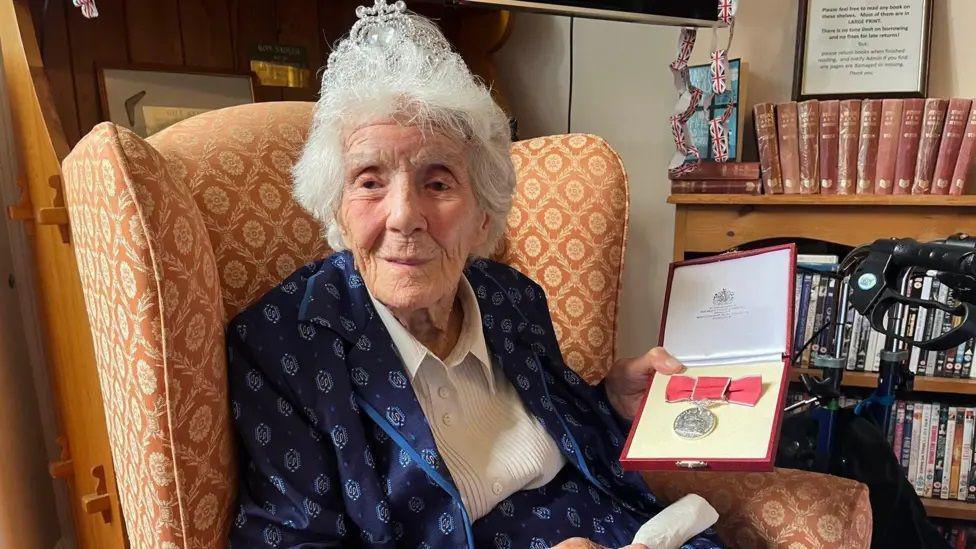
{"x": 567, "y": 230}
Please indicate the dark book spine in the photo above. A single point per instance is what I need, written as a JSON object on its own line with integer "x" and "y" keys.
{"x": 720, "y": 186}
{"x": 827, "y": 346}
{"x": 864, "y": 338}
{"x": 808, "y": 124}
{"x": 940, "y": 450}
{"x": 867, "y": 148}
{"x": 848, "y": 326}
{"x": 971, "y": 488}
{"x": 952, "y": 134}
{"x": 849, "y": 125}
{"x": 909, "y": 135}
{"x": 926, "y": 333}
{"x": 801, "y": 310}
{"x": 945, "y": 360}
{"x": 721, "y": 170}
{"x": 891, "y": 114}
{"x": 914, "y": 290}
{"x": 906, "y": 446}
{"x": 928, "y": 147}
{"x": 818, "y": 317}
{"x": 899, "y": 428}
{"x": 764, "y": 116}
{"x": 967, "y": 157}
{"x": 940, "y": 364}
{"x": 789, "y": 146}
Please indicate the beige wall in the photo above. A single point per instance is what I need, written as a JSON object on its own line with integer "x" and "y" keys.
{"x": 622, "y": 90}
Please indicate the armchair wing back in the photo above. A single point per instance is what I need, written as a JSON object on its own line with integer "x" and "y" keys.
{"x": 175, "y": 234}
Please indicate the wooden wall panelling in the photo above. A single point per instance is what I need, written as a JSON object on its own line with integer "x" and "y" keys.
{"x": 66, "y": 334}
{"x": 153, "y": 29}
{"x": 253, "y": 22}
{"x": 206, "y": 34}
{"x": 335, "y": 19}
{"x": 93, "y": 41}
{"x": 55, "y": 49}
{"x": 298, "y": 25}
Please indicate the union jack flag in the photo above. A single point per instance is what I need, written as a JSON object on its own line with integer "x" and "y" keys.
{"x": 719, "y": 130}
{"x": 719, "y": 70}
{"x": 686, "y": 43}
{"x": 726, "y": 10}
{"x": 682, "y": 140}
{"x": 88, "y": 8}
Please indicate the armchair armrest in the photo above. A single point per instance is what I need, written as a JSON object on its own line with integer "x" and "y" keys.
{"x": 785, "y": 508}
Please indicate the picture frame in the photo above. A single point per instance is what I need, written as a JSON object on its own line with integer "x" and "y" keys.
{"x": 147, "y": 98}
{"x": 867, "y": 50}
{"x": 732, "y": 98}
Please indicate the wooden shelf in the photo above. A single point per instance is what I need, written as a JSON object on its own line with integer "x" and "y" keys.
{"x": 968, "y": 201}
{"x": 950, "y": 509}
{"x": 922, "y": 383}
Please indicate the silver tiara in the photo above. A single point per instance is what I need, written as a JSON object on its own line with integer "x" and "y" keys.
{"x": 386, "y": 25}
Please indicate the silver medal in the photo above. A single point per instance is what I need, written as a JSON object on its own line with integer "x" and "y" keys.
{"x": 694, "y": 422}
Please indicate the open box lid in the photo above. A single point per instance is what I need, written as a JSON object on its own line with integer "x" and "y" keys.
{"x": 731, "y": 316}
{"x": 734, "y": 307}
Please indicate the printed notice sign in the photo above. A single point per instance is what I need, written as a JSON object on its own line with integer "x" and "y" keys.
{"x": 864, "y": 46}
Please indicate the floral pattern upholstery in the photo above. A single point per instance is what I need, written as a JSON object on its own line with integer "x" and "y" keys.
{"x": 789, "y": 508}
{"x": 175, "y": 234}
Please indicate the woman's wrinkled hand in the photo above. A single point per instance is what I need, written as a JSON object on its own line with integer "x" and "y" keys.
{"x": 628, "y": 379}
{"x": 583, "y": 543}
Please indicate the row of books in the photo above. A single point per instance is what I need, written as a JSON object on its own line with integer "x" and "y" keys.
{"x": 823, "y": 306}
{"x": 870, "y": 146}
{"x": 719, "y": 178}
{"x": 933, "y": 441}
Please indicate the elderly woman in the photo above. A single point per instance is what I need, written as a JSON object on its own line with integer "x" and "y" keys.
{"x": 406, "y": 391}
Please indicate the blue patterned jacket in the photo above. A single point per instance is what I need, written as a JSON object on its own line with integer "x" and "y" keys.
{"x": 335, "y": 450}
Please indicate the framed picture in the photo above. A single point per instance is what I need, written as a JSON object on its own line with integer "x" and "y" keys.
{"x": 148, "y": 98}
{"x": 730, "y": 99}
{"x": 868, "y": 48}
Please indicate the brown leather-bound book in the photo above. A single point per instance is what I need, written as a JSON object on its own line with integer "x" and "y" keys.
{"x": 928, "y": 145}
{"x": 911, "y": 131}
{"x": 849, "y": 127}
{"x": 867, "y": 146}
{"x": 891, "y": 110}
{"x": 721, "y": 170}
{"x": 829, "y": 139}
{"x": 789, "y": 152}
{"x": 716, "y": 186}
{"x": 808, "y": 124}
{"x": 952, "y": 132}
{"x": 967, "y": 157}
{"x": 764, "y": 116}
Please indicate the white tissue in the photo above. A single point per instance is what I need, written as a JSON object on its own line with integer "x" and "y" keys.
{"x": 677, "y": 523}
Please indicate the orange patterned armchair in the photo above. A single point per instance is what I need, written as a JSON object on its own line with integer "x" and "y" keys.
{"x": 175, "y": 234}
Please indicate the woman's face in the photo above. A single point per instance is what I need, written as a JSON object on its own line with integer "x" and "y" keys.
{"x": 408, "y": 212}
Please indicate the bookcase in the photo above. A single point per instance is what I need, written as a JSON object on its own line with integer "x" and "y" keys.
{"x": 706, "y": 223}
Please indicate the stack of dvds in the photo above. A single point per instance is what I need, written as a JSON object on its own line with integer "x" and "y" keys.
{"x": 934, "y": 443}
{"x": 823, "y": 306}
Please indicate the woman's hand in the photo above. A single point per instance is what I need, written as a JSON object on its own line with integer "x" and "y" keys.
{"x": 583, "y": 543}
{"x": 628, "y": 379}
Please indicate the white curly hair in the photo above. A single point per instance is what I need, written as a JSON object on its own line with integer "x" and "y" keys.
{"x": 416, "y": 78}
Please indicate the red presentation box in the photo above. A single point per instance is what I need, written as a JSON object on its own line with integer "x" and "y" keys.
{"x": 726, "y": 316}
